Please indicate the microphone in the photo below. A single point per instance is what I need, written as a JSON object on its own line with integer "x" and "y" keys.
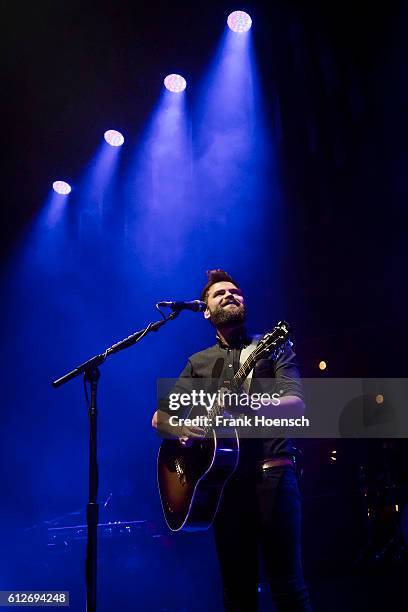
{"x": 194, "y": 305}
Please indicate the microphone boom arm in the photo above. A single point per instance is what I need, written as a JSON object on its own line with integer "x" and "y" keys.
{"x": 97, "y": 360}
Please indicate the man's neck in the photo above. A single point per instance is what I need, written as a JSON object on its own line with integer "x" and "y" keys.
{"x": 232, "y": 335}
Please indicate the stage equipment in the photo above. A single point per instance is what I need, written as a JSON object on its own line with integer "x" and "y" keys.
{"x": 239, "y": 21}
{"x": 114, "y": 138}
{"x": 175, "y": 83}
{"x": 61, "y": 187}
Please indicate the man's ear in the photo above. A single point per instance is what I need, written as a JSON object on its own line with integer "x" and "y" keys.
{"x": 207, "y": 314}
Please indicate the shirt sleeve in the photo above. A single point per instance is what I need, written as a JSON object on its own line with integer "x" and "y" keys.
{"x": 286, "y": 371}
{"x": 183, "y": 385}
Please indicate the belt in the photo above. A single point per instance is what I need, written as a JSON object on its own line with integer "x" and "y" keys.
{"x": 277, "y": 462}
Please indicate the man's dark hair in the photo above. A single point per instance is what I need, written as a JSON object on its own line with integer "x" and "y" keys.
{"x": 216, "y": 276}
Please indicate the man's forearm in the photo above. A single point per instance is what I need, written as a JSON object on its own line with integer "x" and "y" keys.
{"x": 161, "y": 423}
{"x": 289, "y": 405}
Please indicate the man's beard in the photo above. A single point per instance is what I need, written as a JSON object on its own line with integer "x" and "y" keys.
{"x": 226, "y": 317}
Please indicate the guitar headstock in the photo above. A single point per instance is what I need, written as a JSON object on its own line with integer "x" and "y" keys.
{"x": 271, "y": 344}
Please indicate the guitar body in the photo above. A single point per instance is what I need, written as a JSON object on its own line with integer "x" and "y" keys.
{"x": 191, "y": 479}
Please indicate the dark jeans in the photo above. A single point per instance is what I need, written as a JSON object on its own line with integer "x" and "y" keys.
{"x": 260, "y": 512}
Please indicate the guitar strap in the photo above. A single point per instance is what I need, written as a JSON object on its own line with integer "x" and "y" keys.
{"x": 245, "y": 353}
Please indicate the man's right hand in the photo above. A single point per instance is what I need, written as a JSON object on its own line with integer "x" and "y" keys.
{"x": 184, "y": 434}
{"x": 188, "y": 434}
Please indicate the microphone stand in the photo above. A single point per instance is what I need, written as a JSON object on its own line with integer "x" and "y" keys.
{"x": 90, "y": 370}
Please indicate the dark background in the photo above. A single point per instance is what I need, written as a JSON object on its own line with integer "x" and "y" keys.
{"x": 335, "y": 94}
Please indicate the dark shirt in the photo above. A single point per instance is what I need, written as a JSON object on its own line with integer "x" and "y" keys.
{"x": 221, "y": 361}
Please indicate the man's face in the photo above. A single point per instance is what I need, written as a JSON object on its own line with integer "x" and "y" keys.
{"x": 225, "y": 305}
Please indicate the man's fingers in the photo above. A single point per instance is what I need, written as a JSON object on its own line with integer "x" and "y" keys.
{"x": 193, "y": 432}
{"x": 197, "y": 430}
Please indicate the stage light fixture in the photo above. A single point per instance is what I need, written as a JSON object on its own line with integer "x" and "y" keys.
{"x": 175, "y": 83}
{"x": 114, "y": 138}
{"x": 239, "y": 21}
{"x": 61, "y": 187}
{"x": 322, "y": 365}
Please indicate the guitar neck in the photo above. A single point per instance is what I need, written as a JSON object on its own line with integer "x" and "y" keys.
{"x": 244, "y": 370}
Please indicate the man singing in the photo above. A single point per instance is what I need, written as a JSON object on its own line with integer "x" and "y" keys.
{"x": 260, "y": 509}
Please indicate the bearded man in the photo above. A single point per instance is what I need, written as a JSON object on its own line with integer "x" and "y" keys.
{"x": 260, "y": 509}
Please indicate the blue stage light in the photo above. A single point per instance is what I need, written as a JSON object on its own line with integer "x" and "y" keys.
{"x": 239, "y": 21}
{"x": 175, "y": 83}
{"x": 61, "y": 187}
{"x": 114, "y": 138}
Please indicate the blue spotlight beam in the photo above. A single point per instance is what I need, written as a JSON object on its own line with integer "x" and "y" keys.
{"x": 100, "y": 174}
{"x": 235, "y": 164}
{"x": 160, "y": 187}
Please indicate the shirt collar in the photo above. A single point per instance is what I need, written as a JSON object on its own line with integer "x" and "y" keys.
{"x": 239, "y": 341}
